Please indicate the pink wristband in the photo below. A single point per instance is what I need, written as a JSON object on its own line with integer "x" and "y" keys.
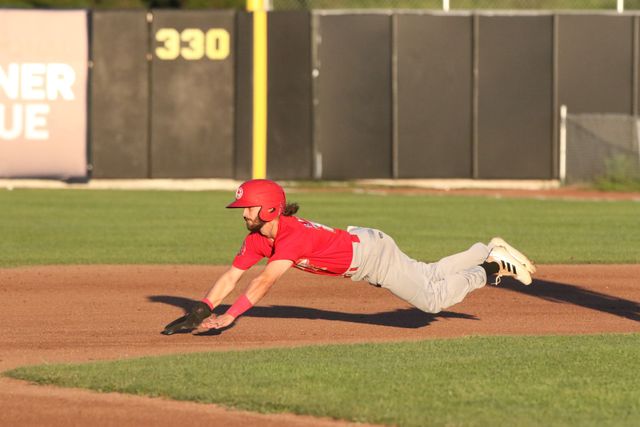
{"x": 206, "y": 301}
{"x": 241, "y": 305}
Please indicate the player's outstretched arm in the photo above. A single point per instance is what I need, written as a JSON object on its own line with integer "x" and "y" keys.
{"x": 257, "y": 289}
{"x": 203, "y": 309}
{"x": 224, "y": 285}
{"x": 259, "y": 286}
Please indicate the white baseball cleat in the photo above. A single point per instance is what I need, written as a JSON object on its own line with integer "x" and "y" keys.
{"x": 509, "y": 266}
{"x": 519, "y": 256}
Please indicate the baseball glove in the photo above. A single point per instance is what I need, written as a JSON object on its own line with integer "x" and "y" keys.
{"x": 189, "y": 321}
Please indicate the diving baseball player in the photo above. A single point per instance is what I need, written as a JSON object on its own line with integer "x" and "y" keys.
{"x": 359, "y": 253}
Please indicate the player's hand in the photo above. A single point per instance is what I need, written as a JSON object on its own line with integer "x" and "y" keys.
{"x": 214, "y": 322}
{"x": 223, "y": 321}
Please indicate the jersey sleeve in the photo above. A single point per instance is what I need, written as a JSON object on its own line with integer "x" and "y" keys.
{"x": 250, "y": 252}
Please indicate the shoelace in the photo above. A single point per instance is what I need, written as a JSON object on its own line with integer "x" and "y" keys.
{"x": 505, "y": 266}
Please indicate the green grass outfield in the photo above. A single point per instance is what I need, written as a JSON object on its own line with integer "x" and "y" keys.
{"x": 160, "y": 227}
{"x": 478, "y": 381}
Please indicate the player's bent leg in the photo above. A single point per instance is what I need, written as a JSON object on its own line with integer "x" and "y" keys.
{"x": 451, "y": 264}
{"x": 440, "y": 295}
{"x": 425, "y": 287}
{"x": 382, "y": 263}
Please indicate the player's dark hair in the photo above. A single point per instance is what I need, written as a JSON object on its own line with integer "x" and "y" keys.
{"x": 290, "y": 209}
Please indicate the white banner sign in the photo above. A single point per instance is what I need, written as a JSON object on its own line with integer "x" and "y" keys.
{"x": 43, "y": 93}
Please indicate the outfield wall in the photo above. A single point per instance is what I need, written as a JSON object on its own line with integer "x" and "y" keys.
{"x": 357, "y": 94}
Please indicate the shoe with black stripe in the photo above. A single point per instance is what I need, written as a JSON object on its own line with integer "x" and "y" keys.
{"x": 509, "y": 266}
{"x": 519, "y": 256}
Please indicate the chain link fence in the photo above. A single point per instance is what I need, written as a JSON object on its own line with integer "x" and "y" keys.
{"x": 602, "y": 147}
{"x": 458, "y": 4}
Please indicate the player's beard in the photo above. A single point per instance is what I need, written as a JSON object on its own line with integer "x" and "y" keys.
{"x": 254, "y": 224}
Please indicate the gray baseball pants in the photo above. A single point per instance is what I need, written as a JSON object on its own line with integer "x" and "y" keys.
{"x": 431, "y": 287}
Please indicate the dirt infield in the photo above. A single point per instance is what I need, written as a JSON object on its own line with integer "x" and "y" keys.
{"x": 75, "y": 314}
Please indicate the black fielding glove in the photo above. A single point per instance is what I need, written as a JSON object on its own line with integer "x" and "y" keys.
{"x": 189, "y": 321}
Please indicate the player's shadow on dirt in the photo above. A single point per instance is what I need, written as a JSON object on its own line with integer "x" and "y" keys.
{"x": 409, "y": 318}
{"x": 571, "y": 294}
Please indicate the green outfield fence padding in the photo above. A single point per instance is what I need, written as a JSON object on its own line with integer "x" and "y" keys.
{"x": 596, "y": 63}
{"x": 192, "y": 94}
{"x": 289, "y": 101}
{"x": 434, "y": 95}
{"x": 120, "y": 94}
{"x": 352, "y": 105}
{"x": 515, "y": 97}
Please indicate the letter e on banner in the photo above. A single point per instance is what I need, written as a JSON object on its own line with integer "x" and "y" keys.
{"x": 35, "y": 122}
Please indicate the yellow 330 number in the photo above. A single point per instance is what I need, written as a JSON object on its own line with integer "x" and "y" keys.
{"x": 192, "y": 44}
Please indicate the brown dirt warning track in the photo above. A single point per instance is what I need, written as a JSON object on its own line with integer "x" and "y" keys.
{"x": 83, "y": 313}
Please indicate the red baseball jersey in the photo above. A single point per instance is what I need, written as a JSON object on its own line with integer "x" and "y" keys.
{"x": 312, "y": 247}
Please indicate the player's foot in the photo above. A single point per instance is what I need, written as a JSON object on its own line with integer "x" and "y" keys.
{"x": 519, "y": 256}
{"x": 509, "y": 266}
